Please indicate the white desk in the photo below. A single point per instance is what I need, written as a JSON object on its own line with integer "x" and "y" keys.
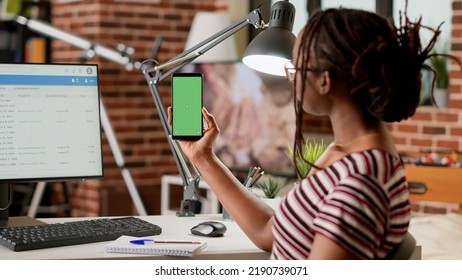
{"x": 234, "y": 245}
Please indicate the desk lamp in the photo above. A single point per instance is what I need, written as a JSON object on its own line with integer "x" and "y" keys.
{"x": 278, "y": 51}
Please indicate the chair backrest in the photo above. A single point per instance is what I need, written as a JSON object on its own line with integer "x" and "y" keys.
{"x": 404, "y": 250}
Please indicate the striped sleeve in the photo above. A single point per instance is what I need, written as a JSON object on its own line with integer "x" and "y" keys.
{"x": 355, "y": 215}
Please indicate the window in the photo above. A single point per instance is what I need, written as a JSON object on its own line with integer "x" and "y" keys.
{"x": 433, "y": 13}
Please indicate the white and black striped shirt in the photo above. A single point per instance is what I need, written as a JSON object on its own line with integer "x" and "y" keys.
{"x": 360, "y": 201}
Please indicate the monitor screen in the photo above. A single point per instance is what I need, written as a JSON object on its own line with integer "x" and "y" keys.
{"x": 255, "y": 114}
{"x": 49, "y": 122}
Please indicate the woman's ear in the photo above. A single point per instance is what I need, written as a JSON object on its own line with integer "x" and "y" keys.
{"x": 324, "y": 83}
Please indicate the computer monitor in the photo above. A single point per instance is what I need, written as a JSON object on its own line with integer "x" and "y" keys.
{"x": 255, "y": 114}
{"x": 49, "y": 125}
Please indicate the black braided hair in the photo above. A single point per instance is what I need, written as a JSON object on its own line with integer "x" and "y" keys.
{"x": 381, "y": 62}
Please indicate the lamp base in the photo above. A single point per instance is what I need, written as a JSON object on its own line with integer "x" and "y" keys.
{"x": 189, "y": 208}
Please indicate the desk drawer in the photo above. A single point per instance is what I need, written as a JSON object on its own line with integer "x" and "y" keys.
{"x": 443, "y": 184}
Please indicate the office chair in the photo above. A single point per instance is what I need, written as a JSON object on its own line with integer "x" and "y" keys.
{"x": 404, "y": 250}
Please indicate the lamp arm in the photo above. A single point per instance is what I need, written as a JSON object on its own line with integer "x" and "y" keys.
{"x": 90, "y": 48}
{"x": 186, "y": 57}
{"x": 154, "y": 74}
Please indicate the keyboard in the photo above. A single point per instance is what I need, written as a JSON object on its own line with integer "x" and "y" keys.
{"x": 25, "y": 238}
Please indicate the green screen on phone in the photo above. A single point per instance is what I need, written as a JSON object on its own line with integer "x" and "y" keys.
{"x": 187, "y": 106}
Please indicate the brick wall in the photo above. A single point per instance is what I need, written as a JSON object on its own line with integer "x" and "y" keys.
{"x": 126, "y": 96}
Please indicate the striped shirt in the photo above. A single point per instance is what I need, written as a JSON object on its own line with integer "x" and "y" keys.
{"x": 360, "y": 201}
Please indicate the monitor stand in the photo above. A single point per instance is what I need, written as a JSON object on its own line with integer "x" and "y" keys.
{"x": 5, "y": 220}
{"x": 4, "y": 197}
{"x": 20, "y": 221}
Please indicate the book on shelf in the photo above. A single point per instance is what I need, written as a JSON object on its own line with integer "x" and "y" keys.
{"x": 154, "y": 246}
{"x": 35, "y": 50}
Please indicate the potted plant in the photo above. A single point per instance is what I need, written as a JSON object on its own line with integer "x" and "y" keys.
{"x": 309, "y": 153}
{"x": 270, "y": 188}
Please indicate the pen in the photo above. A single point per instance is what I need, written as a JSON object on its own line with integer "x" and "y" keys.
{"x": 256, "y": 178}
{"x": 250, "y": 174}
{"x": 152, "y": 241}
{"x": 257, "y": 173}
{"x": 249, "y": 183}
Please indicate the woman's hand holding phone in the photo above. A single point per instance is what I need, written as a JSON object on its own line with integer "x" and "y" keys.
{"x": 196, "y": 149}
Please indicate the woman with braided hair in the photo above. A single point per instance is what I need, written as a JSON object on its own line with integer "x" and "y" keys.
{"x": 361, "y": 71}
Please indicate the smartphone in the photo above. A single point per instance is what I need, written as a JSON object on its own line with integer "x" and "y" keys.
{"x": 187, "y": 91}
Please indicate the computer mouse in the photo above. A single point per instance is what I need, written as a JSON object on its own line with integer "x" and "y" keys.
{"x": 209, "y": 229}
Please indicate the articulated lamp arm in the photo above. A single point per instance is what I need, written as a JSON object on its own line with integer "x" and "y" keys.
{"x": 154, "y": 73}
{"x": 121, "y": 56}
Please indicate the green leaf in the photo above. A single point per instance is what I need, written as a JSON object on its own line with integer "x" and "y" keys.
{"x": 309, "y": 153}
{"x": 271, "y": 187}
{"x": 440, "y": 65}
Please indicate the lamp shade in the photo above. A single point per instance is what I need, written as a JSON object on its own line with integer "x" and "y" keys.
{"x": 272, "y": 48}
{"x": 204, "y": 25}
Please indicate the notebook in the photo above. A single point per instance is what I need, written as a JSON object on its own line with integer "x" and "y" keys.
{"x": 124, "y": 245}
